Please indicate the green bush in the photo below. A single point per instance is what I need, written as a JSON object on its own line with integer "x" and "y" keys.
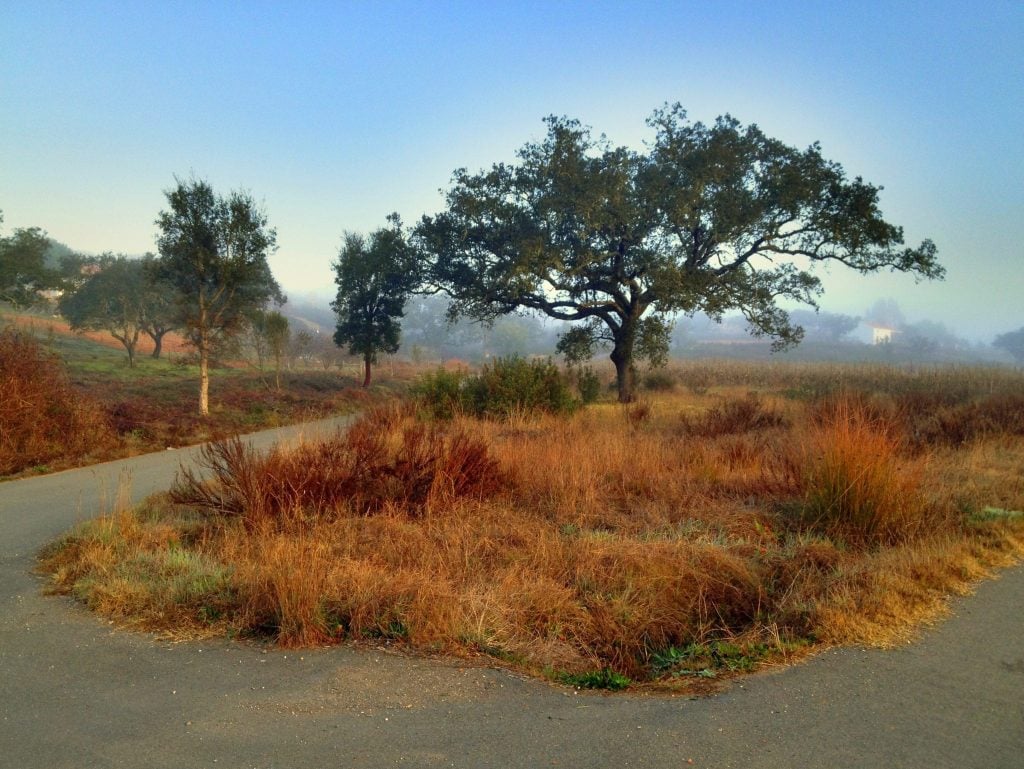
{"x": 503, "y": 387}
{"x": 440, "y": 392}
{"x": 589, "y": 385}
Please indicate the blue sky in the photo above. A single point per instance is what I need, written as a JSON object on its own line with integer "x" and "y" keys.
{"x": 335, "y": 114}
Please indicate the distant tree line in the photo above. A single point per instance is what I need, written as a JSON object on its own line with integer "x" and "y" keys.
{"x": 619, "y": 244}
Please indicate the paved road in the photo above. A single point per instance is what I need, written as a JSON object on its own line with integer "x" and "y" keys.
{"x": 74, "y": 692}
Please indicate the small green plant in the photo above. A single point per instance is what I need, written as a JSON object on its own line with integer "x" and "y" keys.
{"x": 991, "y": 514}
{"x": 708, "y": 660}
{"x": 605, "y": 678}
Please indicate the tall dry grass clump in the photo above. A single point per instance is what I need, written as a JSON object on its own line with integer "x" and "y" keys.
{"x": 857, "y": 485}
{"x": 388, "y": 458}
{"x": 42, "y": 417}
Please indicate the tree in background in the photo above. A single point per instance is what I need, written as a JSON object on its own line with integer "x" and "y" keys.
{"x": 1011, "y": 342}
{"x": 825, "y": 326}
{"x": 214, "y": 250}
{"x": 374, "y": 277}
{"x": 269, "y": 335}
{"x": 302, "y": 345}
{"x": 112, "y": 300}
{"x": 709, "y": 219}
{"x": 161, "y": 304}
{"x": 23, "y": 269}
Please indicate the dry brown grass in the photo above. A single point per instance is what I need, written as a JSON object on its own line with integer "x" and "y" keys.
{"x": 857, "y": 486}
{"x": 596, "y": 542}
{"x": 42, "y": 417}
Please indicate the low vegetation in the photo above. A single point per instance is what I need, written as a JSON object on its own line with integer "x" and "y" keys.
{"x": 68, "y": 399}
{"x": 503, "y": 387}
{"x": 42, "y": 417}
{"x": 683, "y": 539}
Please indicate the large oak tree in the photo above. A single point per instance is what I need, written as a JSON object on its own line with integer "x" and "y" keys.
{"x": 709, "y": 218}
{"x": 214, "y": 250}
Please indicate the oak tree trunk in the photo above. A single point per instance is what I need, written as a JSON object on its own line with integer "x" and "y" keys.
{"x": 622, "y": 357}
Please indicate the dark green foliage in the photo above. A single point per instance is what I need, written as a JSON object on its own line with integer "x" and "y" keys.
{"x": 441, "y": 392}
{"x": 23, "y": 268}
{"x": 503, "y": 387}
{"x": 711, "y": 218}
{"x": 374, "y": 279}
{"x": 213, "y": 251}
{"x": 122, "y": 299}
{"x": 507, "y": 385}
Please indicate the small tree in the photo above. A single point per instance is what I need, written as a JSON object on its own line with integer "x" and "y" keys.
{"x": 267, "y": 335}
{"x": 214, "y": 250}
{"x": 1011, "y": 342}
{"x": 302, "y": 345}
{"x": 709, "y": 219}
{"x": 111, "y": 300}
{"x": 374, "y": 279}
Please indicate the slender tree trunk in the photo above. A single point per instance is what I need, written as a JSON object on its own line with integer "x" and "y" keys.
{"x": 158, "y": 341}
{"x": 366, "y": 369}
{"x": 129, "y": 343}
{"x": 204, "y": 374}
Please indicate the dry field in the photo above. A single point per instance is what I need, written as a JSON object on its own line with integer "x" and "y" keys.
{"x": 703, "y": 532}
{"x": 66, "y": 400}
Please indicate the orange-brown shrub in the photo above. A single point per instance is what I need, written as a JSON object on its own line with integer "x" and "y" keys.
{"x": 733, "y": 416}
{"x": 42, "y": 417}
{"x": 857, "y": 487}
{"x": 386, "y": 459}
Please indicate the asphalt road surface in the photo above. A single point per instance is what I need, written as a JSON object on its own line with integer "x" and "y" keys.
{"x": 76, "y": 692}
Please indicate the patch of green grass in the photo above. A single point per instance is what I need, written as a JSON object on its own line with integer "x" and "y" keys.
{"x": 708, "y": 660}
{"x": 605, "y": 678}
{"x": 992, "y": 514}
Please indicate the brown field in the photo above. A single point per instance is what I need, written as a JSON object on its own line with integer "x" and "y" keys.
{"x": 740, "y": 517}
